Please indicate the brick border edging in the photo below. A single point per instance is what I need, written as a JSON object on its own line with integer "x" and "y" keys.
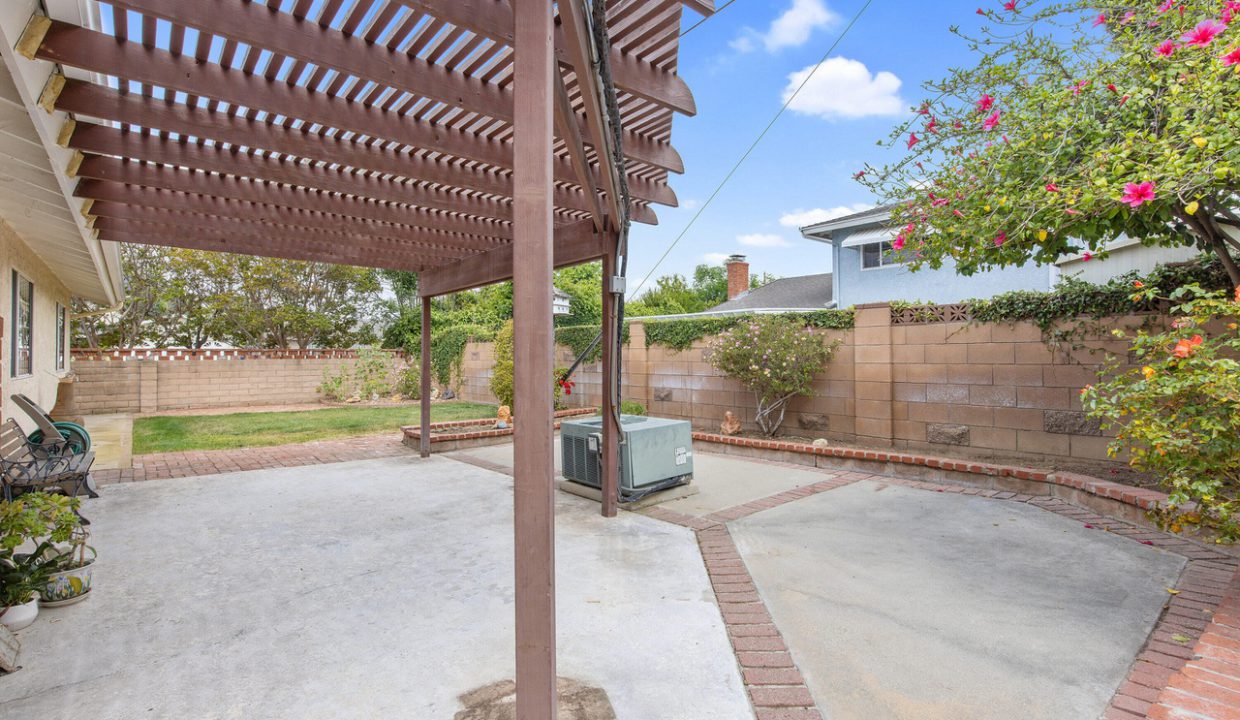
{"x": 1165, "y": 671}
{"x": 1142, "y": 498}
{"x": 414, "y": 432}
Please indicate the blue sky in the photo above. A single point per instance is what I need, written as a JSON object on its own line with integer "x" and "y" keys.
{"x": 738, "y": 64}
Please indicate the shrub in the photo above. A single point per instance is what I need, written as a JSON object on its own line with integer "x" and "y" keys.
{"x": 1178, "y": 414}
{"x": 632, "y": 407}
{"x": 501, "y": 373}
{"x": 775, "y": 357}
{"x": 336, "y": 386}
{"x": 409, "y": 382}
{"x": 37, "y": 518}
{"x": 369, "y": 376}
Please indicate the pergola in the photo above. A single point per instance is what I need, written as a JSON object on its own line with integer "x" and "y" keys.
{"x": 471, "y": 141}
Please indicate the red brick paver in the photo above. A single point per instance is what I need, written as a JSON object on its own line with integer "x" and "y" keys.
{"x": 161, "y": 466}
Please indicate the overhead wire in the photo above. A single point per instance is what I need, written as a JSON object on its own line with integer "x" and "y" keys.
{"x": 752, "y": 146}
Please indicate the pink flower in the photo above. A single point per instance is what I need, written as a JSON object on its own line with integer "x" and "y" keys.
{"x": 1137, "y": 194}
{"x": 898, "y": 243}
{"x": 985, "y": 103}
{"x": 858, "y": 175}
{"x": 1071, "y": 211}
{"x": 1112, "y": 88}
{"x": 1167, "y": 48}
{"x": 1124, "y": 100}
{"x": 1232, "y": 58}
{"x": 1087, "y": 256}
{"x": 1010, "y": 5}
{"x": 1128, "y": 16}
{"x": 930, "y": 126}
{"x": 957, "y": 213}
{"x": 1102, "y": 20}
{"x": 1079, "y": 86}
{"x": 992, "y": 121}
{"x": 1052, "y": 188}
{"x": 981, "y": 11}
{"x": 1000, "y": 239}
{"x": 912, "y": 140}
{"x": 1166, "y": 6}
{"x": 1204, "y": 33}
{"x": 1230, "y": 10}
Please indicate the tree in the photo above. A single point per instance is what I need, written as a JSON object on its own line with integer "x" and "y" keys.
{"x": 189, "y": 297}
{"x": 584, "y": 285}
{"x": 1080, "y": 122}
{"x": 673, "y": 295}
{"x": 776, "y": 358}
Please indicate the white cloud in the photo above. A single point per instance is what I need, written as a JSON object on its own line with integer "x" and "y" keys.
{"x": 689, "y": 204}
{"x": 793, "y": 28}
{"x": 759, "y": 240}
{"x": 715, "y": 258}
{"x": 801, "y": 218}
{"x": 843, "y": 88}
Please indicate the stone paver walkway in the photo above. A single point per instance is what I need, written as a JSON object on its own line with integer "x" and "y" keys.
{"x": 161, "y": 466}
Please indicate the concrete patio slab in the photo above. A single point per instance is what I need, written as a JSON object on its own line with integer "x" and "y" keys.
{"x": 380, "y": 588}
{"x": 903, "y": 604}
{"x": 721, "y": 481}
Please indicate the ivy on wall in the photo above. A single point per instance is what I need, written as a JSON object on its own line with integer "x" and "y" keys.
{"x": 1073, "y": 298}
{"x": 681, "y": 334}
{"x": 579, "y": 337}
{"x": 448, "y": 348}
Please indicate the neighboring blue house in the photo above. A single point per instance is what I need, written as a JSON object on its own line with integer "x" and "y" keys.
{"x": 866, "y": 270}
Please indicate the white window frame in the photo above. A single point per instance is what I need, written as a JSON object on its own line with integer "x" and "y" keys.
{"x": 884, "y": 263}
{"x": 18, "y": 278}
{"x": 62, "y": 339}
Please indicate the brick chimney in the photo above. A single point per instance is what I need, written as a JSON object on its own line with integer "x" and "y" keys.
{"x": 738, "y": 275}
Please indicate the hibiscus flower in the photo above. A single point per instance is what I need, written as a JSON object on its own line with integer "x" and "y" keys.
{"x": 1052, "y": 188}
{"x": 1204, "y": 33}
{"x": 1102, "y": 20}
{"x": 1137, "y": 194}
{"x": 1187, "y": 347}
{"x": 1000, "y": 239}
{"x": 990, "y": 122}
{"x": 1167, "y": 48}
{"x": 913, "y": 140}
{"x": 985, "y": 103}
{"x": 1232, "y": 58}
{"x": 1010, "y": 5}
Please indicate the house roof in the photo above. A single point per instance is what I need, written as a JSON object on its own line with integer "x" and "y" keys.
{"x": 823, "y": 230}
{"x": 805, "y": 292}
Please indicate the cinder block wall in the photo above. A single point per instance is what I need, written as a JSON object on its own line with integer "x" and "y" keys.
{"x": 149, "y": 381}
{"x": 981, "y": 390}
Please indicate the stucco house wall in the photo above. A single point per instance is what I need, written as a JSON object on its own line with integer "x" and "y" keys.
{"x": 944, "y": 285}
{"x": 42, "y": 382}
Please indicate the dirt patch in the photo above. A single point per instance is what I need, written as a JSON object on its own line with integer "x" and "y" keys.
{"x": 498, "y": 701}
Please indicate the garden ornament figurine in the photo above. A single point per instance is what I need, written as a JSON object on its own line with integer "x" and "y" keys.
{"x": 504, "y": 418}
{"x": 730, "y": 425}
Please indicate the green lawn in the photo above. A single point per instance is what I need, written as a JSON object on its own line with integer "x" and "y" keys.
{"x": 213, "y": 432}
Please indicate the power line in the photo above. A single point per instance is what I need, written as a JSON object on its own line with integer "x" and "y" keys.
{"x": 718, "y": 10}
{"x": 754, "y": 144}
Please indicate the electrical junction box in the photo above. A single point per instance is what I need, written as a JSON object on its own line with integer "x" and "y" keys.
{"x": 655, "y": 453}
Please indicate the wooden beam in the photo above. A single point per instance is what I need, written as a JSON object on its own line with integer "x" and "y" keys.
{"x": 91, "y": 100}
{"x": 174, "y": 224}
{"x": 445, "y": 246}
{"x": 115, "y": 170}
{"x": 114, "y": 196}
{"x": 284, "y": 34}
{"x": 580, "y": 47}
{"x": 565, "y": 119}
{"x": 610, "y": 476}
{"x": 424, "y": 442}
{"x": 705, "y": 8}
{"x": 223, "y": 243}
{"x": 493, "y": 19}
{"x": 433, "y": 207}
{"x": 97, "y": 52}
{"x": 575, "y": 244}
{"x": 533, "y": 352}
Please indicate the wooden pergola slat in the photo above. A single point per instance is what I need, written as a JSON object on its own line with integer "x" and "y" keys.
{"x": 92, "y": 100}
{"x": 575, "y": 243}
{"x": 96, "y": 52}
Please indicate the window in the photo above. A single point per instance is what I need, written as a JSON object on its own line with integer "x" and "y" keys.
{"x": 880, "y": 255}
{"x": 23, "y": 325}
{"x": 62, "y": 327}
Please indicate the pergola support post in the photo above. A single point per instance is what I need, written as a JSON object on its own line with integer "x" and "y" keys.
{"x": 611, "y": 429}
{"x": 533, "y": 230}
{"x": 424, "y": 442}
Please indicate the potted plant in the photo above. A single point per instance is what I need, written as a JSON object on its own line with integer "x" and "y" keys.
{"x": 68, "y": 571}
{"x": 37, "y": 521}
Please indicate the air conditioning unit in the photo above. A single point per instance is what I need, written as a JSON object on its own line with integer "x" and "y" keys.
{"x": 655, "y": 453}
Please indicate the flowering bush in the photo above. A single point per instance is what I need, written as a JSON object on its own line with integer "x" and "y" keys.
{"x": 776, "y": 358}
{"x": 1178, "y": 413}
{"x": 1081, "y": 121}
